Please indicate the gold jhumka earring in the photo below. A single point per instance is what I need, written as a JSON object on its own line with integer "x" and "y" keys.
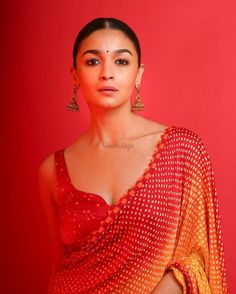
{"x": 73, "y": 105}
{"x": 138, "y": 104}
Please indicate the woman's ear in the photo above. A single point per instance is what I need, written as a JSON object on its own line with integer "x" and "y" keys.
{"x": 74, "y": 75}
{"x": 139, "y": 75}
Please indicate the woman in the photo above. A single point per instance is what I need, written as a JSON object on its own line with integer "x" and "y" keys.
{"x": 139, "y": 218}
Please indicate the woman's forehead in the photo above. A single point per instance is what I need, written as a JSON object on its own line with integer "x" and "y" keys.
{"x": 107, "y": 40}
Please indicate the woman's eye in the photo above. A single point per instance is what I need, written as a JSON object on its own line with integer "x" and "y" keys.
{"x": 122, "y": 61}
{"x": 92, "y": 61}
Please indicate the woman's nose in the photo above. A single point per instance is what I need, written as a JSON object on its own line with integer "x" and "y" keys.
{"x": 106, "y": 72}
{"x": 106, "y": 77}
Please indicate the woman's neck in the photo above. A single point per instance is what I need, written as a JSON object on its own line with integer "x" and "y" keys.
{"x": 111, "y": 126}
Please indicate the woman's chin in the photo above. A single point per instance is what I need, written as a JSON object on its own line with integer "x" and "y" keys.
{"x": 109, "y": 105}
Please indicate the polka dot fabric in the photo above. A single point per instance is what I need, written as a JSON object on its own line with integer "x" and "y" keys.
{"x": 168, "y": 220}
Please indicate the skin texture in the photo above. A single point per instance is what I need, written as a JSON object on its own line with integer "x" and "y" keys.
{"x": 111, "y": 121}
{"x": 168, "y": 285}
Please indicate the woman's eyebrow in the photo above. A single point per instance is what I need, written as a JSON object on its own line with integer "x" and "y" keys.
{"x": 97, "y": 52}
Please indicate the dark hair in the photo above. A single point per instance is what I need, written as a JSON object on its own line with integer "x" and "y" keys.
{"x": 105, "y": 23}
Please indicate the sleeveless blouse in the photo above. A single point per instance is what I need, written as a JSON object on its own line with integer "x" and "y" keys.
{"x": 81, "y": 212}
{"x": 168, "y": 220}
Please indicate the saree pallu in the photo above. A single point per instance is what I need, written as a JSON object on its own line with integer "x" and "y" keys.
{"x": 168, "y": 220}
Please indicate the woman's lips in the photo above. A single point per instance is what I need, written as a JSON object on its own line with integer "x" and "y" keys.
{"x": 108, "y": 90}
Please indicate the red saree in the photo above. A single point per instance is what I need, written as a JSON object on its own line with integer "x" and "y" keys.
{"x": 168, "y": 220}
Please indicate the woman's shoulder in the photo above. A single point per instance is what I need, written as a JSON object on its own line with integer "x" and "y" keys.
{"x": 179, "y": 133}
{"x": 47, "y": 163}
{"x": 46, "y": 171}
{"x": 150, "y": 125}
{"x": 185, "y": 135}
{"x": 189, "y": 142}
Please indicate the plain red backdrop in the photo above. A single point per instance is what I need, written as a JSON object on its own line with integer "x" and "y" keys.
{"x": 189, "y": 52}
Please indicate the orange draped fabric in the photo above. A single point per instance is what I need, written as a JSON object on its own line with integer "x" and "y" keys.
{"x": 168, "y": 220}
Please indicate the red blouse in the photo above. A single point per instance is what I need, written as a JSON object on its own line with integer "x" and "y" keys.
{"x": 80, "y": 212}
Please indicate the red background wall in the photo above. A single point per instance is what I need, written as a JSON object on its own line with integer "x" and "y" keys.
{"x": 189, "y": 50}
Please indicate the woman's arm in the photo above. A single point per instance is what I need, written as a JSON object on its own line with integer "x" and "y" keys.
{"x": 168, "y": 285}
{"x": 46, "y": 188}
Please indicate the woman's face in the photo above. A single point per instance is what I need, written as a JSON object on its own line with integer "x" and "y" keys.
{"x": 107, "y": 69}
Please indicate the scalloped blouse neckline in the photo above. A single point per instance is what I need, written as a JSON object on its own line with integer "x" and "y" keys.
{"x": 138, "y": 183}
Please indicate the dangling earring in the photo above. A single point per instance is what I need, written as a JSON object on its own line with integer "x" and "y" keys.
{"x": 73, "y": 105}
{"x": 138, "y": 104}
